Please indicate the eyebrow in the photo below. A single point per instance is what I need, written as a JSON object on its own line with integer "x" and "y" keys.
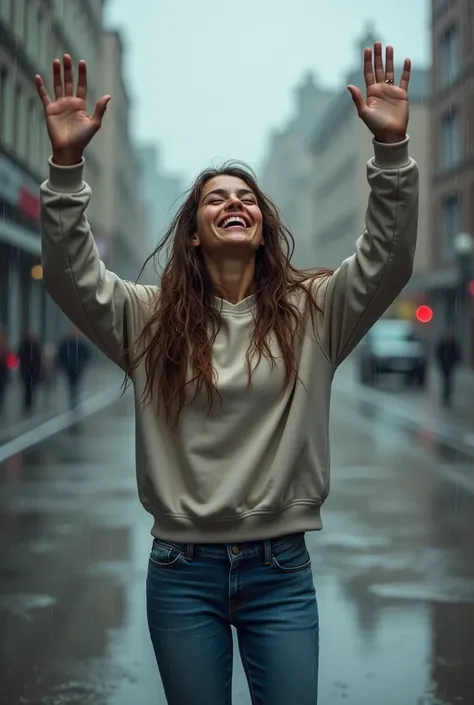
{"x": 224, "y": 192}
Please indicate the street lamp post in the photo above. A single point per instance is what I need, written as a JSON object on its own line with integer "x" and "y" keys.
{"x": 464, "y": 249}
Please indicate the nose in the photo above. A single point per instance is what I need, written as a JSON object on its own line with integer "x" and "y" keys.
{"x": 234, "y": 203}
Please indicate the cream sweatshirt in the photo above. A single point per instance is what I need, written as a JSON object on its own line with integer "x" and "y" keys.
{"x": 257, "y": 466}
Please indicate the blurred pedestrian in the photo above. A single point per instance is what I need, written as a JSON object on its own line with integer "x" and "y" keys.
{"x": 4, "y": 371}
{"x": 448, "y": 356}
{"x": 31, "y": 367}
{"x": 73, "y": 356}
{"x": 49, "y": 366}
{"x": 232, "y": 361}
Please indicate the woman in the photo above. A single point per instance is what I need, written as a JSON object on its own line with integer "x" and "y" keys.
{"x": 232, "y": 362}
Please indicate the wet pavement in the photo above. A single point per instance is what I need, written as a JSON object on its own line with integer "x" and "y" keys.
{"x": 393, "y": 566}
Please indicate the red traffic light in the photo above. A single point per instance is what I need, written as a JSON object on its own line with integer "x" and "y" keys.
{"x": 424, "y": 314}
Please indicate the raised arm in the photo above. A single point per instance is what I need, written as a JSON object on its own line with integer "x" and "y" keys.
{"x": 103, "y": 306}
{"x": 366, "y": 284}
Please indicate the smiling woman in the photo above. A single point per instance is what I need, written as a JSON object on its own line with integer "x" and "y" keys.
{"x": 232, "y": 362}
{"x": 214, "y": 259}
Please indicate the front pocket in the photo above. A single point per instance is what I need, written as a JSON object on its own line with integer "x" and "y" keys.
{"x": 292, "y": 557}
{"x": 164, "y": 554}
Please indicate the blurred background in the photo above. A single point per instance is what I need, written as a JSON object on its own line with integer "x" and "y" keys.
{"x": 193, "y": 85}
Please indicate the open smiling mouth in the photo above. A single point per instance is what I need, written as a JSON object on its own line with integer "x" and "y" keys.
{"x": 234, "y": 222}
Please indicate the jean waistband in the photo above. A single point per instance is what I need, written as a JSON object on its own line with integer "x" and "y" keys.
{"x": 251, "y": 549}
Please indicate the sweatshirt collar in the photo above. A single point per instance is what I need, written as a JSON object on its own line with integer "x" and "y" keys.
{"x": 247, "y": 304}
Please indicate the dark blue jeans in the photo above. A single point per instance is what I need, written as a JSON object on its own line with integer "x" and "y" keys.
{"x": 265, "y": 589}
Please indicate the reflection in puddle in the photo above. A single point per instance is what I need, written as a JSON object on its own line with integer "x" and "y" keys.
{"x": 22, "y": 605}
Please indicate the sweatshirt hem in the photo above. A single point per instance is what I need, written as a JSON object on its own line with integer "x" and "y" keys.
{"x": 298, "y": 518}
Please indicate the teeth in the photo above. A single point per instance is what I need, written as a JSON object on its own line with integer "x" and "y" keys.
{"x": 235, "y": 219}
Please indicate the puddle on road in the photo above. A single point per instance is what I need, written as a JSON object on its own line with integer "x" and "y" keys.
{"x": 22, "y": 605}
{"x": 452, "y": 592}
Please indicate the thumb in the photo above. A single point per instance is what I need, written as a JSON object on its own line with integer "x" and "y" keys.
{"x": 358, "y": 98}
{"x": 100, "y": 108}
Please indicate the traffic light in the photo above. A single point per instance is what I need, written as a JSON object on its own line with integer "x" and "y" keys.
{"x": 424, "y": 314}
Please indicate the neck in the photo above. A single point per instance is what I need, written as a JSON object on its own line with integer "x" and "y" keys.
{"x": 232, "y": 279}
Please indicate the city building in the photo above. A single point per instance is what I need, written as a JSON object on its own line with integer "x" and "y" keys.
{"x": 341, "y": 145}
{"x": 287, "y": 170}
{"x": 163, "y": 193}
{"x": 123, "y": 210}
{"x": 449, "y": 287}
{"x": 33, "y": 32}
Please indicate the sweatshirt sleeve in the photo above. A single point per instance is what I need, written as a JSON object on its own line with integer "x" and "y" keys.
{"x": 104, "y": 307}
{"x": 366, "y": 284}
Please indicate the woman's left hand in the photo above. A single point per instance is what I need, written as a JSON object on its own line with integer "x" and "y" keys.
{"x": 385, "y": 110}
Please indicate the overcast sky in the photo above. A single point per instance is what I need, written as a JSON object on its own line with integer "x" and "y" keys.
{"x": 210, "y": 80}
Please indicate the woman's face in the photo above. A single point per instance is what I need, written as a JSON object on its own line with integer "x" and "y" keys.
{"x": 229, "y": 219}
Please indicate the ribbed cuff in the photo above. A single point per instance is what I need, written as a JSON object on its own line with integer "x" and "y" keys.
{"x": 66, "y": 179}
{"x": 391, "y": 156}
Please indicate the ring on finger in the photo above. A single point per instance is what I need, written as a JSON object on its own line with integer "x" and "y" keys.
{"x": 389, "y": 80}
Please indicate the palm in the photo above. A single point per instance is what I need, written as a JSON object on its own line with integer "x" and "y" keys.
{"x": 385, "y": 108}
{"x": 69, "y": 125}
{"x": 70, "y": 128}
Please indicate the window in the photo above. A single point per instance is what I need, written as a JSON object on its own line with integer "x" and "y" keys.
{"x": 26, "y": 24}
{"x": 17, "y": 117}
{"x": 3, "y": 103}
{"x": 40, "y": 31}
{"x": 30, "y": 136}
{"x": 449, "y": 56}
{"x": 451, "y": 223}
{"x": 450, "y": 140}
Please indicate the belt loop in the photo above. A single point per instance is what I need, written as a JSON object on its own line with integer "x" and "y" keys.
{"x": 267, "y": 549}
{"x": 189, "y": 551}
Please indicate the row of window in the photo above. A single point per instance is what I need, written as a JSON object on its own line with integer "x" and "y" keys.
{"x": 21, "y": 125}
{"x": 449, "y": 56}
{"x": 30, "y": 23}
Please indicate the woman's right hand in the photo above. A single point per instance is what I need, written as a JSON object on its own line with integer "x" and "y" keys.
{"x": 69, "y": 126}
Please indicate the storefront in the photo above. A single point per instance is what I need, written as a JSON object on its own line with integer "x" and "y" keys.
{"x": 24, "y": 304}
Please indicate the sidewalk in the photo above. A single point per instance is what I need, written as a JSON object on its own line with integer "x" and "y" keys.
{"x": 53, "y": 399}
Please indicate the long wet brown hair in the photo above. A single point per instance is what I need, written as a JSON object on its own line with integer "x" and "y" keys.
{"x": 184, "y": 321}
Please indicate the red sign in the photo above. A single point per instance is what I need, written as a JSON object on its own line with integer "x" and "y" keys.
{"x": 19, "y": 189}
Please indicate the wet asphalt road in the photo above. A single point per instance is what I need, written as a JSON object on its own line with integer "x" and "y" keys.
{"x": 394, "y": 566}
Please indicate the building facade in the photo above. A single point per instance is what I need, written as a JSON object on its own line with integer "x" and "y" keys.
{"x": 449, "y": 286}
{"x": 287, "y": 171}
{"x": 33, "y": 33}
{"x": 341, "y": 147}
{"x": 163, "y": 193}
{"x": 124, "y": 216}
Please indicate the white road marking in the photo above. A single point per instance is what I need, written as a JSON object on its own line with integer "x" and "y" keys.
{"x": 58, "y": 423}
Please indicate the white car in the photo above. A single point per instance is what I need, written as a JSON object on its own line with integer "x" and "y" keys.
{"x": 392, "y": 346}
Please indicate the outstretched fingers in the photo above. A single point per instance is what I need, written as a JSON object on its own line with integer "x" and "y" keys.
{"x": 68, "y": 76}
{"x": 57, "y": 80}
{"x": 405, "y": 78}
{"x": 42, "y": 92}
{"x": 100, "y": 108}
{"x": 369, "y": 75}
{"x": 389, "y": 65}
{"x": 82, "y": 80}
{"x": 357, "y": 97}
{"x": 378, "y": 63}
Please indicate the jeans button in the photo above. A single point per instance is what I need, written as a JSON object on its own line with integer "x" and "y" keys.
{"x": 235, "y": 550}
